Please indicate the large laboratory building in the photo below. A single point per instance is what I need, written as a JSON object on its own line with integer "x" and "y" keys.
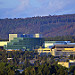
{"x": 23, "y": 42}
{"x": 57, "y": 48}
{"x": 31, "y": 42}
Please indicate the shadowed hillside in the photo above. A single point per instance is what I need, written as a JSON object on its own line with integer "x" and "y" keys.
{"x": 48, "y": 26}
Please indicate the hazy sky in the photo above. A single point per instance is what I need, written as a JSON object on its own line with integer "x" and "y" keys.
{"x": 30, "y": 8}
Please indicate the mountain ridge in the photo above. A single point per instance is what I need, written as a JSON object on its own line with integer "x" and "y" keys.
{"x": 48, "y": 26}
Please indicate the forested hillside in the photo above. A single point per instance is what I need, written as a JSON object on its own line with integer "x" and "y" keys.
{"x": 48, "y": 26}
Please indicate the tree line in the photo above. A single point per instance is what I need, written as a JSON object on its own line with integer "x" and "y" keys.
{"x": 55, "y": 25}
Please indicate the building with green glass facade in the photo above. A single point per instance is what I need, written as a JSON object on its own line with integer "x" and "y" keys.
{"x": 24, "y": 42}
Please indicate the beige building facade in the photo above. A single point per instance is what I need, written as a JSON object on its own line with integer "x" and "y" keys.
{"x": 67, "y": 64}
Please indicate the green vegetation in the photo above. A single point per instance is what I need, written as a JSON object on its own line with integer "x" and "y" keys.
{"x": 44, "y": 65}
{"x": 6, "y": 69}
{"x": 46, "y": 69}
{"x": 61, "y": 38}
{"x": 20, "y": 60}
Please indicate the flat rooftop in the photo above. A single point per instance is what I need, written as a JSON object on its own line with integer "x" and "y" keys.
{"x": 66, "y": 46}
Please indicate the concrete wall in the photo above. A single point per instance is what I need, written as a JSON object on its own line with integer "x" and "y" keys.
{"x": 48, "y": 44}
{"x": 65, "y": 64}
{"x": 44, "y": 50}
{"x": 2, "y": 43}
{"x": 12, "y": 36}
